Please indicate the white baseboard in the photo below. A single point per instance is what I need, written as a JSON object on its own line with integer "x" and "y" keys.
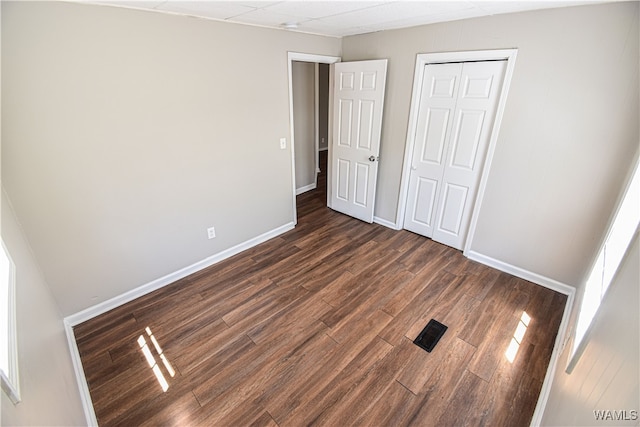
{"x": 103, "y": 307}
{"x": 124, "y": 298}
{"x": 521, "y": 273}
{"x": 385, "y": 223}
{"x": 558, "y": 346}
{"x": 89, "y": 313}
{"x": 83, "y": 388}
{"x": 305, "y": 189}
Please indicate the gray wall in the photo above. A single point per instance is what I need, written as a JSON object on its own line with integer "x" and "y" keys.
{"x": 606, "y": 376}
{"x": 303, "y": 83}
{"x": 568, "y": 134}
{"x": 127, "y": 133}
{"x": 48, "y": 386}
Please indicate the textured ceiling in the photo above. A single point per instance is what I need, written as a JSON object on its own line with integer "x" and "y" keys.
{"x": 339, "y": 18}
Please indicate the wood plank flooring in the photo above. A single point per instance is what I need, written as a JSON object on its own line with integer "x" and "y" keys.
{"x": 315, "y": 327}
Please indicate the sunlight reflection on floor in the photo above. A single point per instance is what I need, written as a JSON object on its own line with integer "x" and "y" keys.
{"x": 151, "y": 360}
{"x": 518, "y": 335}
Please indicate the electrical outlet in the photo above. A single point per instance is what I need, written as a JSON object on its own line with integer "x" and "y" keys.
{"x": 283, "y": 143}
{"x": 211, "y": 232}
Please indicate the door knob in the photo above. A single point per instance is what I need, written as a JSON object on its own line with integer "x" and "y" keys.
{"x": 372, "y": 158}
{"x": 413, "y": 168}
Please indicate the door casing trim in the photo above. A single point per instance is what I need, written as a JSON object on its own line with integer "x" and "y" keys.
{"x": 302, "y": 57}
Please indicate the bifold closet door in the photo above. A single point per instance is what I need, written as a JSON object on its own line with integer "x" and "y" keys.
{"x": 457, "y": 108}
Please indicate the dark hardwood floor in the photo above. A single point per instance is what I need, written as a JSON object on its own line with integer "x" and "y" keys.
{"x": 316, "y": 327}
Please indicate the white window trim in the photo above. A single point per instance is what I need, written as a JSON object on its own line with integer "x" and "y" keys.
{"x": 10, "y": 380}
{"x": 579, "y": 344}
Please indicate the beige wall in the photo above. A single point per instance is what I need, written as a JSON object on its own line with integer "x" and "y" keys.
{"x": 303, "y": 83}
{"x": 606, "y": 376}
{"x": 48, "y": 387}
{"x": 127, "y": 133}
{"x": 567, "y": 136}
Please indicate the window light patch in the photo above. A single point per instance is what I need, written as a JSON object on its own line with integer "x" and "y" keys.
{"x": 151, "y": 359}
{"x": 518, "y": 336}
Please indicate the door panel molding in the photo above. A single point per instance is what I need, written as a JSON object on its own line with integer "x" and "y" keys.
{"x": 358, "y": 99}
{"x": 472, "y": 90}
{"x": 465, "y": 146}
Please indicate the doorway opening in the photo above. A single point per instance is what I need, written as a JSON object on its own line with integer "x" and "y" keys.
{"x": 310, "y": 121}
{"x": 309, "y": 83}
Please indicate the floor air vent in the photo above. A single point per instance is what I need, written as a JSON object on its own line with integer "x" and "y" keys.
{"x": 430, "y": 335}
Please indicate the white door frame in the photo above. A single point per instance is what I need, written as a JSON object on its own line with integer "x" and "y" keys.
{"x": 422, "y": 60}
{"x": 303, "y": 57}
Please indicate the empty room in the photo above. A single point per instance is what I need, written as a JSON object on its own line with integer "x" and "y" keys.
{"x": 285, "y": 213}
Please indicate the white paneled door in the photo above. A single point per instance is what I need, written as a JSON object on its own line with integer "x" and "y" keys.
{"x": 358, "y": 97}
{"x": 456, "y": 111}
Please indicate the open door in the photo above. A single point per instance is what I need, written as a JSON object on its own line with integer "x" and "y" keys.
{"x": 358, "y": 98}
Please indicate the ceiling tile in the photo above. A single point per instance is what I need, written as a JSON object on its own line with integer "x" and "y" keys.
{"x": 134, "y": 4}
{"x": 265, "y": 17}
{"x": 395, "y": 11}
{"x": 472, "y": 12}
{"x": 258, "y": 4}
{"x": 498, "y": 7}
{"x": 341, "y": 18}
{"x": 320, "y": 9}
{"x": 320, "y": 27}
{"x": 207, "y": 9}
